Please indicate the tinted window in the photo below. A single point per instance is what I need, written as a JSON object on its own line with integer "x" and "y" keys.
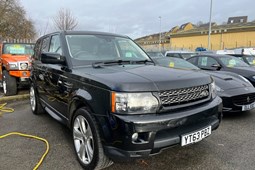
{"x": 192, "y": 60}
{"x": 230, "y": 61}
{"x": 250, "y": 59}
{"x": 175, "y": 63}
{"x": 173, "y": 55}
{"x": 206, "y": 61}
{"x": 55, "y": 44}
{"x": 45, "y": 44}
{"x": 37, "y": 49}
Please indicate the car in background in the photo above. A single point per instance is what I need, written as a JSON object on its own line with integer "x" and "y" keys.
{"x": 180, "y": 54}
{"x": 216, "y": 62}
{"x": 153, "y": 54}
{"x": 245, "y": 51}
{"x": 237, "y": 93}
{"x": 249, "y": 59}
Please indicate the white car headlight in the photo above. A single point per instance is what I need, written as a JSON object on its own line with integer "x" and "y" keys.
{"x": 13, "y": 66}
{"x": 213, "y": 90}
{"x": 134, "y": 103}
{"x": 24, "y": 66}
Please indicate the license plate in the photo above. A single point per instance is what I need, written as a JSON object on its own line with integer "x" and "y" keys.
{"x": 248, "y": 107}
{"x": 195, "y": 136}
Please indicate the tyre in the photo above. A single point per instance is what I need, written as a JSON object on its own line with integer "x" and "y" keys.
{"x": 87, "y": 143}
{"x": 9, "y": 84}
{"x": 35, "y": 103}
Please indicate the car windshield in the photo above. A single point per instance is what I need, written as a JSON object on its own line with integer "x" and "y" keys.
{"x": 19, "y": 49}
{"x": 88, "y": 49}
{"x": 250, "y": 59}
{"x": 155, "y": 54}
{"x": 188, "y": 55}
{"x": 175, "y": 63}
{"x": 229, "y": 61}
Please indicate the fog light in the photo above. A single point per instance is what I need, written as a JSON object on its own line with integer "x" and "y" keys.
{"x": 24, "y": 74}
{"x": 134, "y": 137}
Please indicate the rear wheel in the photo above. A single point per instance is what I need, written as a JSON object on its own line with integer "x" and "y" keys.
{"x": 87, "y": 143}
{"x": 9, "y": 84}
{"x": 35, "y": 101}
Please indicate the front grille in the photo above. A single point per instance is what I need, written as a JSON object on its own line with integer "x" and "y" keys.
{"x": 184, "y": 95}
{"x": 244, "y": 99}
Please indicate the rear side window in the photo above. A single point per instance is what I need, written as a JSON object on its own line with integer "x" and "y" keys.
{"x": 55, "y": 44}
{"x": 173, "y": 55}
{"x": 45, "y": 44}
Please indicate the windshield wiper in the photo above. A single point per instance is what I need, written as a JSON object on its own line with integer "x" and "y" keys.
{"x": 111, "y": 62}
{"x": 143, "y": 62}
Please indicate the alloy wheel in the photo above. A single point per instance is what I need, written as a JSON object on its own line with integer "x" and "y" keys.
{"x": 83, "y": 139}
{"x": 4, "y": 87}
{"x": 32, "y": 99}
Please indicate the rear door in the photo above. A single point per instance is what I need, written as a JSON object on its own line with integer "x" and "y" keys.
{"x": 48, "y": 76}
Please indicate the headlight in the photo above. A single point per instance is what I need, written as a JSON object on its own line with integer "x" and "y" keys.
{"x": 24, "y": 66}
{"x": 13, "y": 66}
{"x": 134, "y": 103}
{"x": 213, "y": 90}
{"x": 246, "y": 80}
{"x": 218, "y": 89}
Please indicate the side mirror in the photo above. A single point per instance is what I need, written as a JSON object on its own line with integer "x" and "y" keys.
{"x": 52, "y": 58}
{"x": 216, "y": 66}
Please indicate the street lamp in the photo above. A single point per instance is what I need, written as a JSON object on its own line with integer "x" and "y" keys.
{"x": 159, "y": 33}
{"x": 210, "y": 28}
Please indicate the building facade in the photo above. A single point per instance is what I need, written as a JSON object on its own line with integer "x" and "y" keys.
{"x": 189, "y": 37}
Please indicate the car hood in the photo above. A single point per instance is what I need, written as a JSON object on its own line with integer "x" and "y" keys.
{"x": 226, "y": 81}
{"x": 244, "y": 71}
{"x": 15, "y": 58}
{"x": 142, "y": 77}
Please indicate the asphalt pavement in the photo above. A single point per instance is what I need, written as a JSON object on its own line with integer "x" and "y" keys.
{"x": 232, "y": 146}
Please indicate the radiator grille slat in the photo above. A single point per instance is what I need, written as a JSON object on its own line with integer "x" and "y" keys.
{"x": 184, "y": 95}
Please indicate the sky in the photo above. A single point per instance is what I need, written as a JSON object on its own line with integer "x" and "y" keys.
{"x": 135, "y": 18}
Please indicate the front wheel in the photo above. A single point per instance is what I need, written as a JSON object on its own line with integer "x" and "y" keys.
{"x": 9, "y": 84}
{"x": 87, "y": 141}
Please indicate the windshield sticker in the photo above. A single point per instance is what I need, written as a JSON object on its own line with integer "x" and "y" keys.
{"x": 253, "y": 62}
{"x": 171, "y": 64}
{"x": 17, "y": 49}
{"x": 128, "y": 55}
{"x": 232, "y": 62}
{"x": 204, "y": 61}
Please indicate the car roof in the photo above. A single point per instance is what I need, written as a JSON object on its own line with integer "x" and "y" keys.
{"x": 215, "y": 55}
{"x": 180, "y": 52}
{"x": 88, "y": 33}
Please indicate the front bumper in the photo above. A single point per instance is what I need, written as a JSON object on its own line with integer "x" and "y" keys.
{"x": 20, "y": 73}
{"x": 234, "y": 99}
{"x": 156, "y": 132}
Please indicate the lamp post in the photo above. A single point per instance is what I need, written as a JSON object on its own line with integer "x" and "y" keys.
{"x": 159, "y": 33}
{"x": 210, "y": 28}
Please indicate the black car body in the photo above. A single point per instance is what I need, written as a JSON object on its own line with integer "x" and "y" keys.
{"x": 237, "y": 93}
{"x": 180, "y": 54}
{"x": 117, "y": 103}
{"x": 248, "y": 59}
{"x": 216, "y": 62}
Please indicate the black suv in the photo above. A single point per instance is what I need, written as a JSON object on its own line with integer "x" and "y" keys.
{"x": 117, "y": 103}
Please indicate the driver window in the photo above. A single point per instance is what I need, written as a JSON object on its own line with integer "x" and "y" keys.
{"x": 206, "y": 62}
{"x": 55, "y": 44}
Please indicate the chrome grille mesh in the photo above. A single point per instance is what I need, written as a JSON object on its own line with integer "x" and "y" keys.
{"x": 184, "y": 95}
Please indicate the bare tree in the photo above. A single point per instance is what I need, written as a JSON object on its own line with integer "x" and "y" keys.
{"x": 64, "y": 20}
{"x": 13, "y": 21}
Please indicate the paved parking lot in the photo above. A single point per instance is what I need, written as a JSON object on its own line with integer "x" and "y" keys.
{"x": 232, "y": 146}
